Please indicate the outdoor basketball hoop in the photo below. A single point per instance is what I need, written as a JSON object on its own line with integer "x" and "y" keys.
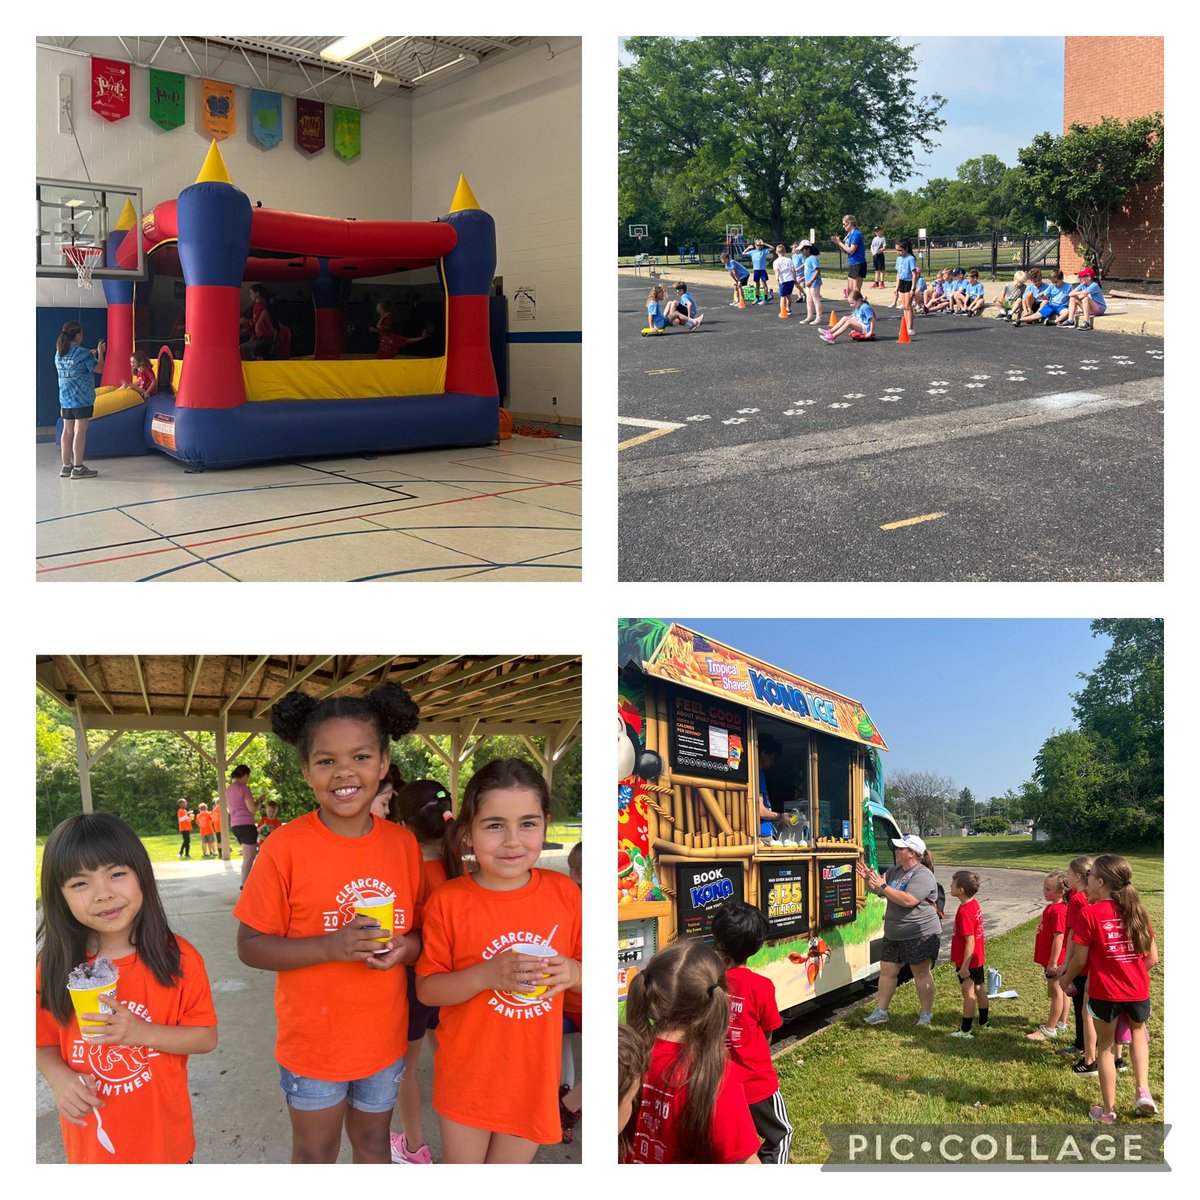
{"x": 84, "y": 259}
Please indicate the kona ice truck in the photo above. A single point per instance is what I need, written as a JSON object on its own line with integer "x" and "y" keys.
{"x": 691, "y": 715}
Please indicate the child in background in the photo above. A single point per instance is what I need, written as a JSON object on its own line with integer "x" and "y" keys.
{"x": 204, "y": 824}
{"x": 967, "y": 951}
{"x": 384, "y": 804}
{"x": 633, "y": 1060}
{"x": 484, "y": 963}
{"x": 739, "y": 275}
{"x": 879, "y": 256}
{"x": 1075, "y": 986}
{"x": 142, "y": 378}
{"x": 759, "y": 254}
{"x": 1049, "y": 951}
{"x": 656, "y": 317}
{"x": 906, "y": 271}
{"x": 100, "y": 901}
{"x": 1054, "y": 303}
{"x": 425, "y": 809}
{"x": 570, "y": 1096}
{"x": 798, "y": 267}
{"x": 693, "y": 1108}
{"x": 860, "y": 323}
{"x": 184, "y": 816}
{"x": 1009, "y": 301}
{"x": 1035, "y": 292}
{"x": 937, "y": 299}
{"x": 1086, "y": 301}
{"x": 683, "y": 310}
{"x": 973, "y": 299}
{"x": 241, "y": 804}
{"x": 812, "y": 284}
{"x": 270, "y": 822}
{"x": 77, "y": 368}
{"x": 1114, "y": 941}
{"x": 739, "y": 931}
{"x": 216, "y": 818}
{"x": 785, "y": 279}
{"x": 341, "y": 1007}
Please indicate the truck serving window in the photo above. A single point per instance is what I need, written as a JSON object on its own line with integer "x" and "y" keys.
{"x": 885, "y": 852}
{"x": 833, "y": 787}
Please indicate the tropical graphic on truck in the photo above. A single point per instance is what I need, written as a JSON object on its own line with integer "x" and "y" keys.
{"x": 709, "y": 737}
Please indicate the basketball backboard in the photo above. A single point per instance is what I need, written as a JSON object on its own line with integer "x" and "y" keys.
{"x": 72, "y": 213}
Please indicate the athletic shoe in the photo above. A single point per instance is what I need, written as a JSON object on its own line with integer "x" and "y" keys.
{"x": 962, "y": 1033}
{"x": 826, "y": 336}
{"x": 924, "y": 1018}
{"x": 82, "y": 472}
{"x": 734, "y": 304}
{"x": 1084, "y": 325}
{"x": 1096, "y": 1113}
{"x": 1061, "y": 1027}
{"x": 1085, "y": 1068}
{"x": 1145, "y": 1102}
{"x": 1067, "y": 1050}
{"x": 695, "y": 324}
{"x": 878, "y": 1017}
{"x": 1016, "y": 322}
{"x": 1066, "y": 325}
{"x": 1122, "y": 1065}
{"x": 65, "y": 473}
{"x": 1041, "y": 1034}
{"x": 402, "y": 1154}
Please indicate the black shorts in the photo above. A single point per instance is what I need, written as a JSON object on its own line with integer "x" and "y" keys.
{"x": 421, "y": 1017}
{"x": 976, "y": 973}
{"x": 905, "y": 285}
{"x": 77, "y": 414}
{"x": 880, "y": 262}
{"x": 246, "y": 834}
{"x": 912, "y": 950}
{"x": 1136, "y": 1011}
{"x": 856, "y": 271}
{"x": 774, "y": 1128}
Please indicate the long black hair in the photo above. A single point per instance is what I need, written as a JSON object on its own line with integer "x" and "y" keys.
{"x": 89, "y": 842}
{"x": 388, "y": 709}
{"x": 424, "y": 806}
{"x": 70, "y": 331}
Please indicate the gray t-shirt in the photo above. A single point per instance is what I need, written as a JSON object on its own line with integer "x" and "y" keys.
{"x": 904, "y": 924}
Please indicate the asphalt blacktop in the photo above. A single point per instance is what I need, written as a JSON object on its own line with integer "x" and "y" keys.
{"x": 1128, "y": 312}
{"x": 238, "y": 1108}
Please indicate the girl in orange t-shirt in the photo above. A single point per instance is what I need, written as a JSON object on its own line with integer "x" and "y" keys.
{"x": 500, "y": 948}
{"x": 424, "y": 807}
{"x": 341, "y": 1028}
{"x": 122, "y": 1092}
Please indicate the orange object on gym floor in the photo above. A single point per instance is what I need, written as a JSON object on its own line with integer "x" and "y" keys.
{"x": 505, "y": 424}
{"x": 741, "y": 298}
{"x": 833, "y": 318}
{"x": 903, "y": 338}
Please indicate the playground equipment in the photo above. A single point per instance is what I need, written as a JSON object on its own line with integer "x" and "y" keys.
{"x": 215, "y": 410}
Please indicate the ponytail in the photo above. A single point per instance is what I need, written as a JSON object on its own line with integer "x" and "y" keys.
{"x": 1117, "y": 874}
{"x": 70, "y": 331}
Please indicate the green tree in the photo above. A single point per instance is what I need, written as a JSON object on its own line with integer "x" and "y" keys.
{"x": 991, "y": 824}
{"x": 1080, "y": 178}
{"x": 733, "y": 121}
{"x": 966, "y": 806}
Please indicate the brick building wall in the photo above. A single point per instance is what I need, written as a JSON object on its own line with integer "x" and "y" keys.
{"x": 1119, "y": 77}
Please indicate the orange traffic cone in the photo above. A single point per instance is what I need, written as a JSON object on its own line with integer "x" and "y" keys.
{"x": 741, "y": 297}
{"x": 833, "y": 318}
{"x": 903, "y": 338}
{"x": 783, "y": 308}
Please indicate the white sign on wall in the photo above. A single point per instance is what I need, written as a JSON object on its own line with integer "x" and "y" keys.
{"x": 525, "y": 304}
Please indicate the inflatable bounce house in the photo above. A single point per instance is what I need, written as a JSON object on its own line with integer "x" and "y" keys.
{"x": 212, "y": 409}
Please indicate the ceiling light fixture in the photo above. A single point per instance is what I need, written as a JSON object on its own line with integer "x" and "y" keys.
{"x": 347, "y": 47}
{"x": 453, "y": 63}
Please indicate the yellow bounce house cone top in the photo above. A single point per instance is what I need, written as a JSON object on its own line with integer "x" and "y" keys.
{"x": 464, "y": 198}
{"x": 128, "y": 218}
{"x": 214, "y": 169}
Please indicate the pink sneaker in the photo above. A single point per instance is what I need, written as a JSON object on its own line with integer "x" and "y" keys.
{"x": 1097, "y": 1113}
{"x": 1145, "y": 1102}
{"x": 402, "y": 1154}
{"x": 826, "y": 336}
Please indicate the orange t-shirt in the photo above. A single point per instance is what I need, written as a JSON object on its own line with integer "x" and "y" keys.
{"x": 147, "y": 1111}
{"x": 435, "y": 871}
{"x": 336, "y": 1021}
{"x": 482, "y": 1041}
{"x": 185, "y": 822}
{"x": 204, "y": 820}
{"x": 216, "y": 816}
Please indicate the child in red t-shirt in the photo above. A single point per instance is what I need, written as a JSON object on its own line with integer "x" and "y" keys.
{"x": 693, "y": 1107}
{"x": 739, "y": 931}
{"x": 1114, "y": 941}
{"x": 633, "y": 1060}
{"x": 100, "y": 901}
{"x": 1049, "y": 951}
{"x": 341, "y": 1010}
{"x": 1076, "y": 986}
{"x": 269, "y": 822}
{"x": 967, "y": 951}
{"x": 501, "y": 946}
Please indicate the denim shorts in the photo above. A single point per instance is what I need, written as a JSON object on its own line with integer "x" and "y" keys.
{"x": 375, "y": 1094}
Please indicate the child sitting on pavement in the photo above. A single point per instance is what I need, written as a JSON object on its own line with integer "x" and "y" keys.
{"x": 860, "y": 323}
{"x": 1010, "y": 299}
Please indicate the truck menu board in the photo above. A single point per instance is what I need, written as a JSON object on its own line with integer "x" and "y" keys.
{"x": 700, "y": 889}
{"x": 837, "y": 892}
{"x": 707, "y": 736}
{"x": 783, "y": 889}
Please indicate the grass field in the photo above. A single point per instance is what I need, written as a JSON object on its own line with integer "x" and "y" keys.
{"x": 851, "y": 1073}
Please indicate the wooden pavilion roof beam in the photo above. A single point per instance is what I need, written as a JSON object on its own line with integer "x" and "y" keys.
{"x": 241, "y": 685}
{"x": 473, "y": 705}
{"x": 87, "y": 679}
{"x": 197, "y": 663}
{"x": 501, "y": 680}
{"x": 141, "y": 678}
{"x": 447, "y": 682}
{"x": 293, "y": 681}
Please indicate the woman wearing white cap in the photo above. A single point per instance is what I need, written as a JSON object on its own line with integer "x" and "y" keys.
{"x": 911, "y": 927}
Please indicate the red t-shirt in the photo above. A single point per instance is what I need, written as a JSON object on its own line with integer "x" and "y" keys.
{"x": 336, "y": 1020}
{"x": 753, "y": 1014}
{"x": 146, "y": 381}
{"x": 268, "y": 825}
{"x": 147, "y": 1112}
{"x": 968, "y": 922}
{"x": 482, "y": 1040}
{"x": 1054, "y": 921}
{"x": 1076, "y": 907}
{"x": 656, "y": 1139}
{"x": 1116, "y": 971}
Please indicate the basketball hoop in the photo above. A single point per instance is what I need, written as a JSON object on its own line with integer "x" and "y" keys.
{"x": 84, "y": 259}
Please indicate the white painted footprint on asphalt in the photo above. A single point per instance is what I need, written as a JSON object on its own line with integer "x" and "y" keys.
{"x": 937, "y": 391}
{"x": 747, "y": 410}
{"x": 700, "y": 417}
{"x": 1056, "y": 372}
{"x": 891, "y": 390}
{"x": 890, "y": 399}
{"x": 735, "y": 421}
{"x": 853, "y": 396}
{"x": 981, "y": 377}
{"x": 794, "y": 412}
{"x": 840, "y": 405}
{"x": 972, "y": 385}
{"x": 939, "y": 383}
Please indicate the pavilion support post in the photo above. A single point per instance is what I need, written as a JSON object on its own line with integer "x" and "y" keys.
{"x": 81, "y": 756}
{"x": 222, "y": 765}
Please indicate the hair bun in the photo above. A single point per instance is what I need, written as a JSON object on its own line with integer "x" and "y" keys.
{"x": 401, "y": 713}
{"x": 289, "y": 713}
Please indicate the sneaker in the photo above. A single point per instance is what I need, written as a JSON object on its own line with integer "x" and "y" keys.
{"x": 1041, "y": 1034}
{"x": 1084, "y": 325}
{"x": 1096, "y": 1113}
{"x": 962, "y": 1033}
{"x": 826, "y": 336}
{"x": 82, "y": 472}
{"x": 1066, "y": 324}
{"x": 1122, "y": 1065}
{"x": 1068, "y": 1050}
{"x": 924, "y": 1018}
{"x": 1145, "y": 1102}
{"x": 1016, "y": 322}
{"x": 878, "y": 1017}
{"x": 402, "y": 1154}
{"x": 65, "y": 473}
{"x": 1085, "y": 1068}
{"x": 1061, "y": 1027}
{"x": 695, "y": 324}
{"x": 734, "y": 304}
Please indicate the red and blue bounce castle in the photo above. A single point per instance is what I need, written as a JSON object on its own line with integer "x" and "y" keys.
{"x": 215, "y": 410}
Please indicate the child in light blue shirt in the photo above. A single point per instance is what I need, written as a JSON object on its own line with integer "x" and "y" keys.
{"x": 860, "y": 324}
{"x": 1086, "y": 300}
{"x": 812, "y": 284}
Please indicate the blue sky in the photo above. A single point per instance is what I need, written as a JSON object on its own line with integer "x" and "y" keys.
{"x": 999, "y": 93}
{"x": 971, "y": 699}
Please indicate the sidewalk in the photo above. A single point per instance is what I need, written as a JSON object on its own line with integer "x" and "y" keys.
{"x": 1141, "y": 315}
{"x": 237, "y": 1107}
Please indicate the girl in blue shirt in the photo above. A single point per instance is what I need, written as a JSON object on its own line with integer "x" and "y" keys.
{"x": 860, "y": 324}
{"x": 812, "y": 284}
{"x": 655, "y": 317}
{"x": 906, "y": 270}
{"x": 77, "y": 370}
{"x": 1086, "y": 301}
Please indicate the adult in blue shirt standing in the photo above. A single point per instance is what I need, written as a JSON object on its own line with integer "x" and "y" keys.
{"x": 855, "y": 247}
{"x": 768, "y": 815}
{"x": 77, "y": 370}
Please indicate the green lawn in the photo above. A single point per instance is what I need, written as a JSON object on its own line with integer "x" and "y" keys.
{"x": 852, "y": 1073}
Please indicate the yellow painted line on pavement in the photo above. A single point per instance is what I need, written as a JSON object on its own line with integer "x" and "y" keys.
{"x": 664, "y": 371}
{"x": 912, "y": 521}
{"x": 643, "y": 437}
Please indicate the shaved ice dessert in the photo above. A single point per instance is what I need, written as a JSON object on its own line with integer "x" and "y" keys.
{"x": 97, "y": 972}
{"x": 90, "y": 984}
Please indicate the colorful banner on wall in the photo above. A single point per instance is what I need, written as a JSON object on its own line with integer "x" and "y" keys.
{"x": 167, "y": 92}
{"x": 310, "y": 125}
{"x": 693, "y": 661}
{"x": 110, "y": 88}
{"x": 218, "y": 109}
{"x": 266, "y": 117}
{"x": 347, "y": 132}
